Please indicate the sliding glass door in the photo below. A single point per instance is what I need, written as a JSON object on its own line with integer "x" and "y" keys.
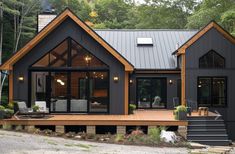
{"x": 71, "y": 91}
{"x": 151, "y": 93}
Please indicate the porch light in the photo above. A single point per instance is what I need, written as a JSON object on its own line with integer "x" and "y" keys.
{"x": 87, "y": 59}
{"x": 170, "y": 81}
{"x": 115, "y": 78}
{"x": 21, "y": 78}
{"x": 131, "y": 81}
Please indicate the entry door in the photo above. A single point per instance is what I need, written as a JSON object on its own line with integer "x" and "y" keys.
{"x": 151, "y": 93}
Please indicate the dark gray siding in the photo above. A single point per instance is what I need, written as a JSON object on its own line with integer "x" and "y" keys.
{"x": 70, "y": 29}
{"x": 213, "y": 40}
{"x": 171, "y": 88}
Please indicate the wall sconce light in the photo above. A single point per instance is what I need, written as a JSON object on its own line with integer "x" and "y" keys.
{"x": 21, "y": 79}
{"x": 170, "y": 81}
{"x": 115, "y": 78}
{"x": 131, "y": 81}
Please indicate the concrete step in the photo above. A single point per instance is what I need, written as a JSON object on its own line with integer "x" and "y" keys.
{"x": 202, "y": 118}
{"x": 207, "y": 131}
{"x": 206, "y": 126}
{"x": 205, "y": 122}
{"x": 213, "y": 142}
{"x": 207, "y": 137}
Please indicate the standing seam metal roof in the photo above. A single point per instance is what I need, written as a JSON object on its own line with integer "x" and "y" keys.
{"x": 158, "y": 56}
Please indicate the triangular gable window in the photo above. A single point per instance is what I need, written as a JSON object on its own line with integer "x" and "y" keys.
{"x": 60, "y": 57}
{"x": 212, "y": 60}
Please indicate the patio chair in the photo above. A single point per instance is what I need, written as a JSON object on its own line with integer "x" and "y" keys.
{"x": 42, "y": 106}
{"x": 189, "y": 106}
{"x": 22, "y": 108}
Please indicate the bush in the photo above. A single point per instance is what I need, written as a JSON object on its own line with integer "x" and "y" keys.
{"x": 154, "y": 134}
{"x": 132, "y": 108}
{"x": 9, "y": 113}
{"x": 2, "y": 108}
{"x": 6, "y": 127}
{"x": 35, "y": 108}
{"x": 180, "y": 110}
{"x": 119, "y": 138}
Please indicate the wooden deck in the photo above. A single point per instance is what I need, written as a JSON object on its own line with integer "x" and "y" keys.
{"x": 139, "y": 118}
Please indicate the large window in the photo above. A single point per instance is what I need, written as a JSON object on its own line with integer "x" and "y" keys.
{"x": 212, "y": 91}
{"x": 212, "y": 60}
{"x": 151, "y": 92}
{"x": 70, "y": 79}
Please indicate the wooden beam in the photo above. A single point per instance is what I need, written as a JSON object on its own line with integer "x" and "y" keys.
{"x": 183, "y": 97}
{"x": 10, "y": 86}
{"x": 50, "y": 27}
{"x": 211, "y": 25}
{"x": 126, "y": 93}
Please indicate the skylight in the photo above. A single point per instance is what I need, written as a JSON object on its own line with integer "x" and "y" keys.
{"x": 144, "y": 41}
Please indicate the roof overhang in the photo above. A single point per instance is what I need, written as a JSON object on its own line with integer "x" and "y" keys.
{"x": 212, "y": 24}
{"x": 8, "y": 65}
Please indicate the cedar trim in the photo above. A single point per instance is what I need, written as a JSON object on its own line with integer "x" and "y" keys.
{"x": 199, "y": 34}
{"x": 50, "y": 27}
{"x": 153, "y": 71}
{"x": 126, "y": 93}
{"x": 183, "y": 97}
{"x": 10, "y": 82}
{"x": 95, "y": 122}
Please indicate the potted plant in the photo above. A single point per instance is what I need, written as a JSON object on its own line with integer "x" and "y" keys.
{"x": 181, "y": 113}
{"x": 2, "y": 112}
{"x": 8, "y": 113}
{"x": 132, "y": 108}
{"x": 35, "y": 108}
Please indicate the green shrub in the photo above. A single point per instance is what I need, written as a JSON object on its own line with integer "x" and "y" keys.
{"x": 119, "y": 138}
{"x": 2, "y": 108}
{"x": 8, "y": 113}
{"x": 132, "y": 108}
{"x": 181, "y": 108}
{"x": 35, "y": 108}
{"x": 154, "y": 134}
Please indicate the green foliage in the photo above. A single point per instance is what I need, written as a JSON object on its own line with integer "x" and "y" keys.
{"x": 154, "y": 134}
{"x": 35, "y": 108}
{"x": 119, "y": 138}
{"x": 8, "y": 113}
{"x": 181, "y": 108}
{"x": 2, "y": 108}
{"x": 132, "y": 108}
{"x": 6, "y": 126}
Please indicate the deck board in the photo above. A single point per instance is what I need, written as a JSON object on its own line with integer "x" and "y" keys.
{"x": 140, "y": 117}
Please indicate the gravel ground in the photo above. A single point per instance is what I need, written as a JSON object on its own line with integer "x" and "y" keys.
{"x": 22, "y": 143}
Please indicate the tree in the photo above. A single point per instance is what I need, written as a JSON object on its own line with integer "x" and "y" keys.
{"x": 219, "y": 10}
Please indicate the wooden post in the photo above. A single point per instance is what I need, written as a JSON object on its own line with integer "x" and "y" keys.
{"x": 183, "y": 80}
{"x": 10, "y": 86}
{"x": 126, "y": 93}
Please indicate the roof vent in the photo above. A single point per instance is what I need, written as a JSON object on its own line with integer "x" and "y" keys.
{"x": 144, "y": 41}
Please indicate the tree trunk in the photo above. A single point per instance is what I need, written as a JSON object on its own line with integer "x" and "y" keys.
{"x": 1, "y": 37}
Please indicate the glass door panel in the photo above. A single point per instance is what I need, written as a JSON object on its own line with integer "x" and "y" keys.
{"x": 78, "y": 102}
{"x": 144, "y": 93}
{"x": 38, "y": 87}
{"x": 158, "y": 93}
{"x": 151, "y": 93}
{"x": 59, "y": 95}
{"x": 98, "y": 91}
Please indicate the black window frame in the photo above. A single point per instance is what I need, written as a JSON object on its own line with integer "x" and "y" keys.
{"x": 151, "y": 78}
{"x": 211, "y": 91}
{"x": 213, "y": 65}
{"x": 69, "y": 69}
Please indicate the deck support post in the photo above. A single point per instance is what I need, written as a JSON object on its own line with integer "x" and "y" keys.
{"x": 151, "y": 127}
{"x": 29, "y": 128}
{"x": 90, "y": 129}
{"x": 182, "y": 130}
{"x": 121, "y": 130}
{"x": 59, "y": 129}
